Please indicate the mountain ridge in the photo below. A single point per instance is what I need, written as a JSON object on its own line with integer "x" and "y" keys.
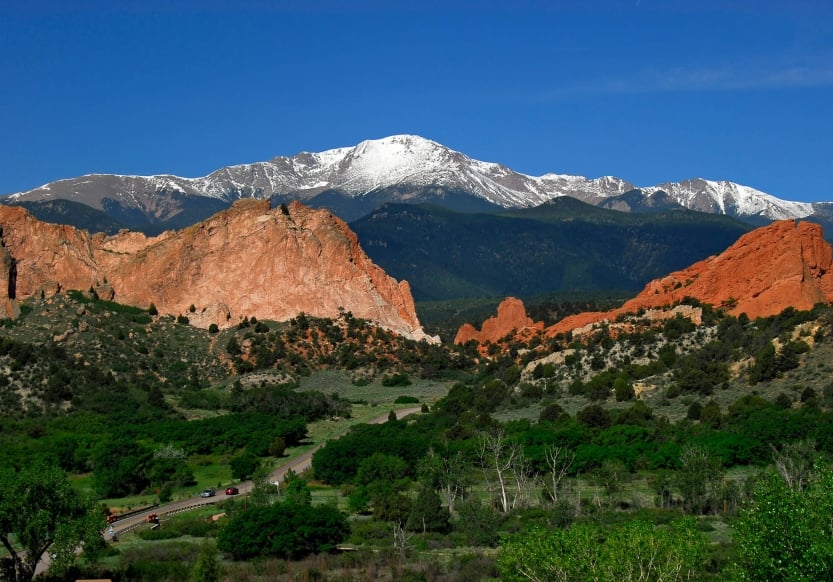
{"x": 409, "y": 164}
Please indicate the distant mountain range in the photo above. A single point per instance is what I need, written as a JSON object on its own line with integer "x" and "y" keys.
{"x": 354, "y": 181}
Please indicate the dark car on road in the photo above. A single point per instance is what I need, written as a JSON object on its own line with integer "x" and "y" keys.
{"x": 232, "y": 491}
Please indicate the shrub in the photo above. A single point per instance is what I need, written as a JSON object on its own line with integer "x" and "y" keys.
{"x": 406, "y": 400}
{"x": 401, "y": 379}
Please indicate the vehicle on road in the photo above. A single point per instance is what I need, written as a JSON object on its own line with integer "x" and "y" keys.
{"x": 232, "y": 491}
{"x": 208, "y": 492}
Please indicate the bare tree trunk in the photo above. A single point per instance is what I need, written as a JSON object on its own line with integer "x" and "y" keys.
{"x": 559, "y": 463}
{"x": 504, "y": 469}
{"x": 795, "y": 463}
{"x": 401, "y": 540}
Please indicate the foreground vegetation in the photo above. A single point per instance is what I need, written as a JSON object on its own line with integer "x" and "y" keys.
{"x": 533, "y": 461}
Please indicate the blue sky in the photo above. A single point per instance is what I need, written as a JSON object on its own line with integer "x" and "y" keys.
{"x": 646, "y": 90}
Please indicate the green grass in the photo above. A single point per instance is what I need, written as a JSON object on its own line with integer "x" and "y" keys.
{"x": 210, "y": 472}
{"x": 374, "y": 393}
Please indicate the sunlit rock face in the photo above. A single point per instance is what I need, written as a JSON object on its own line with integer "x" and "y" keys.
{"x": 248, "y": 261}
{"x": 785, "y": 264}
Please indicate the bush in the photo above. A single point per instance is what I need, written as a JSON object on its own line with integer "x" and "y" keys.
{"x": 551, "y": 412}
{"x": 396, "y": 380}
{"x": 406, "y": 400}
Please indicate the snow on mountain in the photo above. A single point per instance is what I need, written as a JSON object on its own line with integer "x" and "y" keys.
{"x": 404, "y": 161}
{"x": 725, "y": 197}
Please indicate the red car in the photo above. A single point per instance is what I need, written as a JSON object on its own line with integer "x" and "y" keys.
{"x": 232, "y": 491}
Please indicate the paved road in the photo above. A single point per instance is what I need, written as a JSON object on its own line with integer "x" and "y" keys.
{"x": 298, "y": 464}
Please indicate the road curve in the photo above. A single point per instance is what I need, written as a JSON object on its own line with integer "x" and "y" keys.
{"x": 298, "y": 464}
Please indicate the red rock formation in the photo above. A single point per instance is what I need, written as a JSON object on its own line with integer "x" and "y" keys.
{"x": 511, "y": 318}
{"x": 250, "y": 260}
{"x": 784, "y": 264}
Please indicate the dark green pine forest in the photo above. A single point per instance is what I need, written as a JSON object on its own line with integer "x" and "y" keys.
{"x": 559, "y": 247}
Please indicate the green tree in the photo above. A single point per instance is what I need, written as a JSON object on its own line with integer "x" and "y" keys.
{"x": 263, "y": 492}
{"x": 427, "y": 513}
{"x": 710, "y": 414}
{"x": 634, "y": 551}
{"x": 244, "y": 465}
{"x": 381, "y": 467}
{"x": 695, "y": 409}
{"x": 295, "y": 490}
{"x": 594, "y": 416}
{"x": 785, "y": 533}
{"x": 623, "y": 390}
{"x": 445, "y": 472}
{"x": 612, "y": 475}
{"x": 119, "y": 467}
{"x": 40, "y": 511}
{"x": 207, "y": 568}
{"x": 698, "y": 479}
{"x": 284, "y": 530}
{"x": 551, "y": 413}
{"x": 478, "y": 522}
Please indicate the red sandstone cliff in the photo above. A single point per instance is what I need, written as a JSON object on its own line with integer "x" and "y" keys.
{"x": 250, "y": 260}
{"x": 785, "y": 264}
{"x": 511, "y": 319}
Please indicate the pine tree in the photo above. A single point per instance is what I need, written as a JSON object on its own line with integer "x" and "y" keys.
{"x": 427, "y": 513}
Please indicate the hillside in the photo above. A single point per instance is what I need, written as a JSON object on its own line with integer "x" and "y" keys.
{"x": 564, "y": 245}
{"x": 143, "y": 407}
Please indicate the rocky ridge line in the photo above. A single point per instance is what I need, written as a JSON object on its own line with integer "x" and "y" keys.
{"x": 250, "y": 260}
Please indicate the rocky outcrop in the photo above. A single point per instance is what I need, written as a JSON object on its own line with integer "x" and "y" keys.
{"x": 251, "y": 260}
{"x": 511, "y": 319}
{"x": 784, "y": 264}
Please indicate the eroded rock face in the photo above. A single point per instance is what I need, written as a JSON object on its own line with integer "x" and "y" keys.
{"x": 784, "y": 264}
{"x": 250, "y": 260}
{"x": 511, "y": 319}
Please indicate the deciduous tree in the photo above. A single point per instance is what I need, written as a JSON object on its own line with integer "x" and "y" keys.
{"x": 285, "y": 530}
{"x": 40, "y": 512}
{"x": 634, "y": 551}
{"x": 785, "y": 533}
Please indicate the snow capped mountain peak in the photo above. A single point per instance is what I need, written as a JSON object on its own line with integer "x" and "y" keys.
{"x": 392, "y": 160}
{"x": 408, "y": 163}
